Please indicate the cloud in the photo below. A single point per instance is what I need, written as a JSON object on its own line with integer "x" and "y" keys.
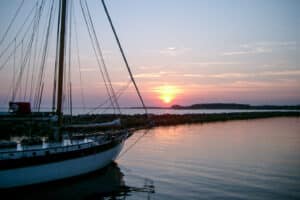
{"x": 151, "y": 67}
{"x": 246, "y": 85}
{"x": 231, "y": 75}
{"x": 260, "y": 47}
{"x": 276, "y": 44}
{"x": 255, "y": 85}
{"x": 281, "y": 73}
{"x": 213, "y": 63}
{"x": 171, "y": 48}
{"x": 222, "y": 75}
{"x": 147, "y": 75}
{"x": 174, "y": 51}
{"x": 246, "y": 75}
{"x": 114, "y": 83}
{"x": 249, "y": 50}
{"x": 88, "y": 69}
{"x": 156, "y": 75}
{"x": 195, "y": 75}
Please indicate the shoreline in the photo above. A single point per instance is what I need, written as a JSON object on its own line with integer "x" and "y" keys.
{"x": 138, "y": 121}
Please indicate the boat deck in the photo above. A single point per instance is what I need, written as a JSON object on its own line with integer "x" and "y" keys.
{"x": 46, "y": 148}
{"x": 66, "y": 145}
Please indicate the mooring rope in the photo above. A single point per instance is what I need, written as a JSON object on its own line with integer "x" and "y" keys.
{"x": 134, "y": 143}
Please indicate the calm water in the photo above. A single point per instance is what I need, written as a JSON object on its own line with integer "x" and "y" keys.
{"x": 77, "y": 111}
{"x": 126, "y": 111}
{"x": 251, "y": 159}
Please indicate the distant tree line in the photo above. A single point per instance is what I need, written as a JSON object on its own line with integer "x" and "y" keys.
{"x": 236, "y": 106}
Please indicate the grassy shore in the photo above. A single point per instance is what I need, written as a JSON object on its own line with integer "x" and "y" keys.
{"x": 139, "y": 121}
{"x": 133, "y": 122}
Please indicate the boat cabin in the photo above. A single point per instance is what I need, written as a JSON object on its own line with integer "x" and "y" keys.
{"x": 19, "y": 107}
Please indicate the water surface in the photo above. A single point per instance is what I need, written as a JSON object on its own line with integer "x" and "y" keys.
{"x": 252, "y": 159}
{"x": 249, "y": 159}
{"x": 158, "y": 111}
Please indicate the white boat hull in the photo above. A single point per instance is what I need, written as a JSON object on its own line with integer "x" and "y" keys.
{"x": 58, "y": 170}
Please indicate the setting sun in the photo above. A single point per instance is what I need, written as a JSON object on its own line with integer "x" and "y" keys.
{"x": 167, "y": 93}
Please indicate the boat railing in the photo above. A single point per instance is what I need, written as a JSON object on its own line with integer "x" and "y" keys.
{"x": 16, "y": 154}
{"x": 34, "y": 116}
{"x": 24, "y": 153}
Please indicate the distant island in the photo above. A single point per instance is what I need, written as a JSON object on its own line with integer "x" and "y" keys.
{"x": 230, "y": 106}
{"x": 236, "y": 106}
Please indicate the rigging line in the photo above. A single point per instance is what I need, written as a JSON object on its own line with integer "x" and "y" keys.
{"x": 19, "y": 31}
{"x": 19, "y": 44}
{"x": 26, "y": 78}
{"x": 78, "y": 60}
{"x": 99, "y": 65}
{"x": 40, "y": 55}
{"x": 23, "y": 64}
{"x": 44, "y": 55}
{"x": 20, "y": 73}
{"x": 30, "y": 68}
{"x": 35, "y": 60}
{"x": 49, "y": 28}
{"x": 8, "y": 58}
{"x": 133, "y": 144}
{"x": 124, "y": 57}
{"x": 39, "y": 51}
{"x": 96, "y": 47}
{"x": 40, "y": 97}
{"x": 102, "y": 60}
{"x": 56, "y": 61}
{"x": 11, "y": 90}
{"x": 12, "y": 21}
{"x": 14, "y": 70}
{"x": 119, "y": 93}
{"x": 69, "y": 60}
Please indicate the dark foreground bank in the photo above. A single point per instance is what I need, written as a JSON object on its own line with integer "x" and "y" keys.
{"x": 140, "y": 121}
{"x": 135, "y": 122}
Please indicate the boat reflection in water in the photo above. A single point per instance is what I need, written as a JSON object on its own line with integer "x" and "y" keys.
{"x": 107, "y": 183}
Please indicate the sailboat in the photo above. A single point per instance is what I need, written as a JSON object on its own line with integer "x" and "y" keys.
{"x": 34, "y": 161}
{"x": 107, "y": 183}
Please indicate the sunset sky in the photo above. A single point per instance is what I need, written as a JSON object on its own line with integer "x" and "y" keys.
{"x": 181, "y": 51}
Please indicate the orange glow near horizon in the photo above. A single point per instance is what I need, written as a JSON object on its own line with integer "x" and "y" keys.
{"x": 167, "y": 93}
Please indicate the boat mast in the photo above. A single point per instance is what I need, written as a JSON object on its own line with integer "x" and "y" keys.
{"x": 61, "y": 60}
